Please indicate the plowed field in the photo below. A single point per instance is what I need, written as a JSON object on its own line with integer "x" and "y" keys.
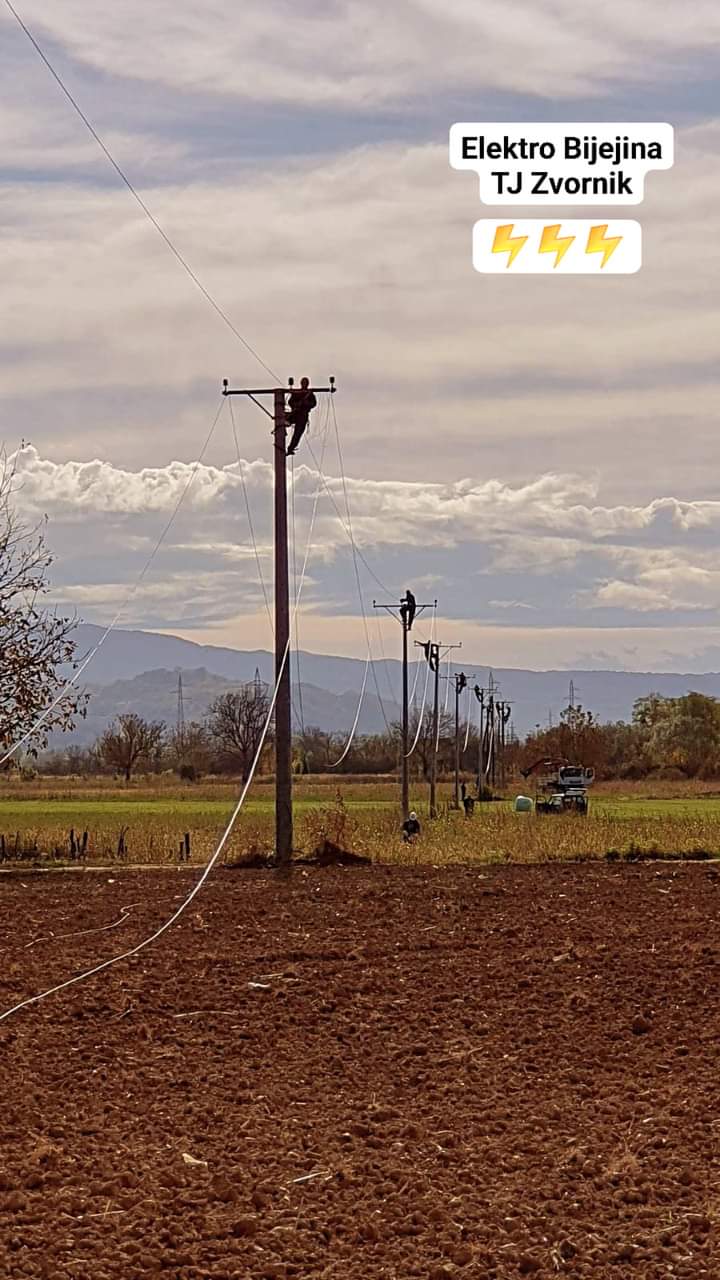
{"x": 373, "y": 1072}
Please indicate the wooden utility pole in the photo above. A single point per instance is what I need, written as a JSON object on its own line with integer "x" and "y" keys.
{"x": 283, "y": 706}
{"x": 406, "y": 612}
{"x": 480, "y": 695}
{"x": 460, "y": 684}
{"x": 504, "y": 711}
{"x": 440, "y": 653}
{"x": 283, "y": 698}
{"x": 435, "y": 730}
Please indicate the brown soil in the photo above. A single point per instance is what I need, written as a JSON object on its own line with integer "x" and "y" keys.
{"x": 364, "y": 1073}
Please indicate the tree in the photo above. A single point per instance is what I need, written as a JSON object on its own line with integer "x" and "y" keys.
{"x": 35, "y": 642}
{"x": 319, "y": 749}
{"x": 129, "y": 741}
{"x": 683, "y": 733}
{"x": 190, "y": 750}
{"x": 236, "y": 722}
{"x": 578, "y": 738}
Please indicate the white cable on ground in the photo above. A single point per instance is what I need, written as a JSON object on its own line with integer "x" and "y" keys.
{"x": 146, "y": 942}
{"x": 130, "y": 595}
{"x": 135, "y": 193}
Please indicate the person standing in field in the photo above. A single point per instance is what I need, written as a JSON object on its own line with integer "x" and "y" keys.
{"x": 411, "y": 828}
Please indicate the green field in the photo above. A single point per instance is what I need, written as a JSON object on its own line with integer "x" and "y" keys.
{"x": 45, "y": 819}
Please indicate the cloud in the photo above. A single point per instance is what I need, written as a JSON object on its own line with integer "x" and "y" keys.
{"x": 331, "y": 267}
{"x": 680, "y": 588}
{"x": 557, "y": 509}
{"x": 548, "y": 540}
{"x": 584, "y": 399}
{"x": 336, "y": 53}
{"x": 510, "y": 604}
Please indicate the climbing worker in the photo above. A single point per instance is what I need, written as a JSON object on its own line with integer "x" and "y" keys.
{"x": 410, "y": 828}
{"x": 301, "y": 404}
{"x": 408, "y": 607}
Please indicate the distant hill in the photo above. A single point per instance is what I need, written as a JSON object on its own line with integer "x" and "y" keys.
{"x": 154, "y": 694}
{"x": 137, "y": 671}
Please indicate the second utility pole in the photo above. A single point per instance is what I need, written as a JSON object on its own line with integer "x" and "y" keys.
{"x": 435, "y": 653}
{"x": 460, "y": 684}
{"x": 407, "y": 610}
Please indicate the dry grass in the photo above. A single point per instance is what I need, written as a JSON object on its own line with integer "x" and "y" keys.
{"x": 662, "y": 819}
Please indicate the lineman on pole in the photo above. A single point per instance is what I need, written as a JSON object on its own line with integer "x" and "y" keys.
{"x": 301, "y": 403}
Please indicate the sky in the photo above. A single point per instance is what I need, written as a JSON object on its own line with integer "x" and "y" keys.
{"x": 535, "y": 453}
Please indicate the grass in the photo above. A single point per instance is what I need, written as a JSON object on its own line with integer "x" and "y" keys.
{"x": 36, "y": 819}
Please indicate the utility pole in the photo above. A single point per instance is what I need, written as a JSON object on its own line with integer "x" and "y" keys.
{"x": 480, "y": 695}
{"x": 180, "y": 719}
{"x": 406, "y": 612}
{"x": 491, "y": 755}
{"x": 435, "y": 657}
{"x": 283, "y": 699}
{"x": 460, "y": 684}
{"x": 503, "y": 711}
{"x": 571, "y": 713}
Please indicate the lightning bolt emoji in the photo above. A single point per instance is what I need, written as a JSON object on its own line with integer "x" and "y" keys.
{"x": 598, "y": 242}
{"x": 506, "y": 242}
{"x": 552, "y": 242}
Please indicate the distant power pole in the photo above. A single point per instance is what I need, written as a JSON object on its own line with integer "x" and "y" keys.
{"x": 180, "y": 717}
{"x": 406, "y": 612}
{"x": 435, "y": 654}
{"x": 283, "y": 700}
{"x": 460, "y": 684}
{"x": 504, "y": 711}
{"x": 480, "y": 695}
{"x": 572, "y": 691}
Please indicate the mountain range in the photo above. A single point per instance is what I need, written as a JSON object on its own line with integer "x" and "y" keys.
{"x": 139, "y": 670}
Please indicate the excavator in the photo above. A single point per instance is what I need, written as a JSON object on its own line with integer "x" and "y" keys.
{"x": 561, "y": 787}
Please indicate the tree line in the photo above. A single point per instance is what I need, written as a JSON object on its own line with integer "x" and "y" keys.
{"x": 677, "y": 737}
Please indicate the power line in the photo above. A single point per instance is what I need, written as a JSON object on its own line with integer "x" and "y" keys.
{"x": 355, "y": 555}
{"x": 253, "y": 539}
{"x": 135, "y": 193}
{"x": 295, "y": 586}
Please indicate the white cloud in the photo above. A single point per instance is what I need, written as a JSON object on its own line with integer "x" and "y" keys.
{"x": 343, "y": 54}
{"x": 586, "y": 398}
{"x": 544, "y": 530}
{"x": 333, "y": 268}
{"x": 683, "y": 586}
